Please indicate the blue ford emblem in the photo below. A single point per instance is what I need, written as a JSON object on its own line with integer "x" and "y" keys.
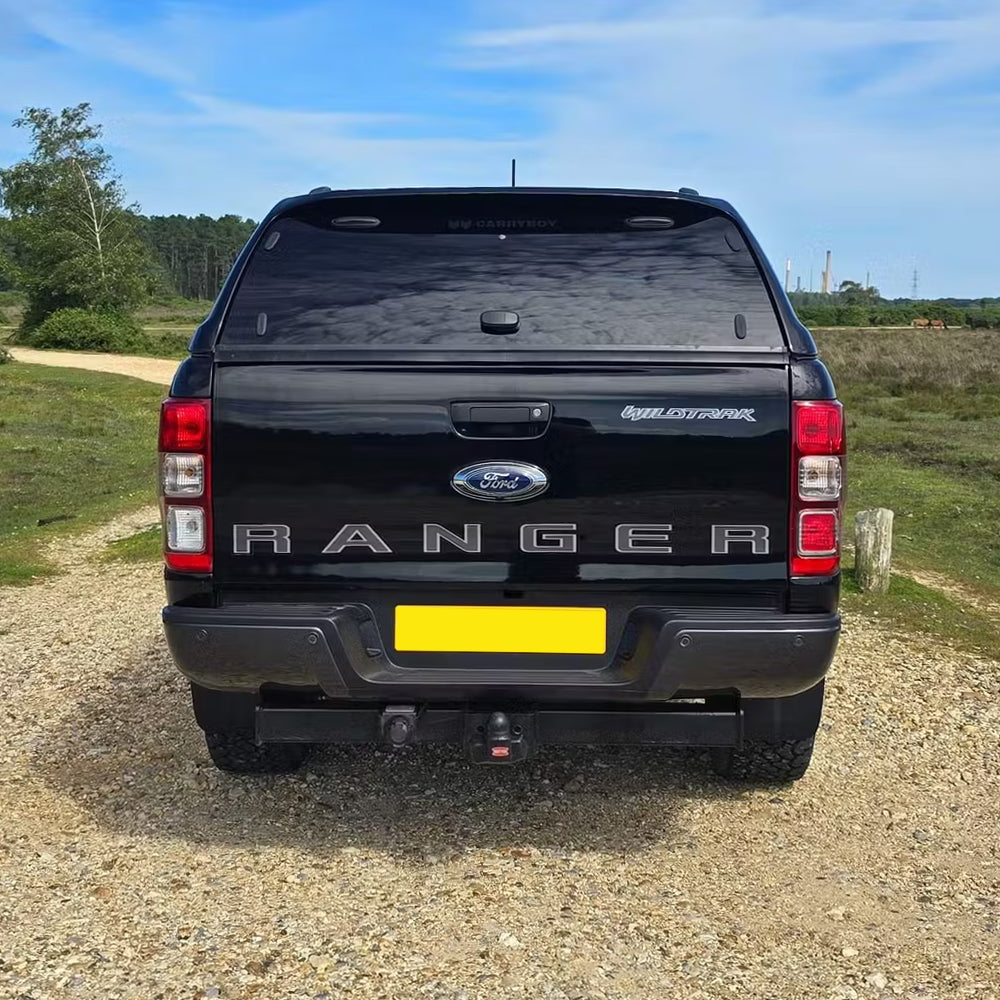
{"x": 500, "y": 481}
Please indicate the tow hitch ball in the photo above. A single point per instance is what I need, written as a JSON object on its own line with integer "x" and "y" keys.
{"x": 497, "y": 738}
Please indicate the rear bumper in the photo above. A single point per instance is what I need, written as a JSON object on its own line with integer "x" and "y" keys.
{"x": 339, "y": 651}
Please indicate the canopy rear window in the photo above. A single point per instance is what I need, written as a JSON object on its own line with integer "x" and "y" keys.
{"x": 578, "y": 270}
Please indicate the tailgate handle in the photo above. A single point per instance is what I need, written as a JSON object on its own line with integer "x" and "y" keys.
{"x": 489, "y": 419}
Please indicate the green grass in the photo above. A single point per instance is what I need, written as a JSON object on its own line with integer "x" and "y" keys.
{"x": 186, "y": 312}
{"x": 169, "y": 341}
{"x": 911, "y": 607}
{"x": 924, "y": 440}
{"x": 144, "y": 546}
{"x": 74, "y": 445}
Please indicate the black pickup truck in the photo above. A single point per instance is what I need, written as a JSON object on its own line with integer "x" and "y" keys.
{"x": 505, "y": 468}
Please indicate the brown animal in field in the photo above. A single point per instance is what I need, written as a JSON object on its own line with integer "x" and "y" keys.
{"x": 921, "y": 324}
{"x": 938, "y": 324}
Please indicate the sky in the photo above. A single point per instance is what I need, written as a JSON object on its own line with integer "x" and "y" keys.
{"x": 867, "y": 127}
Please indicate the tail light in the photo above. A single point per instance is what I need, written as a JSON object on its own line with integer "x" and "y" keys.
{"x": 817, "y": 487}
{"x": 185, "y": 484}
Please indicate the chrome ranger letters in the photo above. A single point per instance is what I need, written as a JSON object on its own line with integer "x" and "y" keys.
{"x": 357, "y": 536}
{"x": 640, "y": 539}
{"x": 278, "y": 536}
{"x": 757, "y": 536}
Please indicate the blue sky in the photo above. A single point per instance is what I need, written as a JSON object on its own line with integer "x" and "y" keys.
{"x": 869, "y": 127}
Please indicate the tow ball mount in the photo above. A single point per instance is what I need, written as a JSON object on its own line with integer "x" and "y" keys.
{"x": 398, "y": 725}
{"x": 499, "y": 737}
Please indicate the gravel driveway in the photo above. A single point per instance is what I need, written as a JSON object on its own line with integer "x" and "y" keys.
{"x": 130, "y": 868}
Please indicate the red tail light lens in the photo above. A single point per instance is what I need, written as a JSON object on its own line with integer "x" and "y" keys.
{"x": 184, "y": 425}
{"x": 819, "y": 533}
{"x": 817, "y": 487}
{"x": 185, "y": 484}
{"x": 819, "y": 427}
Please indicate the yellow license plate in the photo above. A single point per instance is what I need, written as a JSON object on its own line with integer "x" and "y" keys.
{"x": 460, "y": 629}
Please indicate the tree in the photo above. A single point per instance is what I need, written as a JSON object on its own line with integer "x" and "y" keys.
{"x": 853, "y": 293}
{"x": 75, "y": 242}
{"x": 6, "y": 256}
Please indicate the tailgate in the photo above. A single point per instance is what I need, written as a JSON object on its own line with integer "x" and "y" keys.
{"x": 652, "y": 478}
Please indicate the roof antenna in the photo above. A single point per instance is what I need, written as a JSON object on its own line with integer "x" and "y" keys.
{"x": 513, "y": 173}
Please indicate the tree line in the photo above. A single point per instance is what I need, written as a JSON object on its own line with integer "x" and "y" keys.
{"x": 193, "y": 254}
{"x": 186, "y": 256}
{"x": 859, "y": 306}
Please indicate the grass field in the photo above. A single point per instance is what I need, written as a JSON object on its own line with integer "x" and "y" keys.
{"x": 924, "y": 440}
{"x": 75, "y": 446}
{"x": 170, "y": 325}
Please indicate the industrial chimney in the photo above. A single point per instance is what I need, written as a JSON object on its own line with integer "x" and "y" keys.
{"x": 827, "y": 274}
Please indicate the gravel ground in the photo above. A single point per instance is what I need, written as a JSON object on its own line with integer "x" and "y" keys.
{"x": 157, "y": 370}
{"x": 130, "y": 868}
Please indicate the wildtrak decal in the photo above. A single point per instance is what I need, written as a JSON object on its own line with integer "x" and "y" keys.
{"x": 687, "y": 413}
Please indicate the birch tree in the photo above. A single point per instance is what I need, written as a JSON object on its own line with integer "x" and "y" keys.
{"x": 76, "y": 243}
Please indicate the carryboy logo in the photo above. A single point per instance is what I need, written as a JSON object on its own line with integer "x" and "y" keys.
{"x": 686, "y": 413}
{"x": 502, "y": 223}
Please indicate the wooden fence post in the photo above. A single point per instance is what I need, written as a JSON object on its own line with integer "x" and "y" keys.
{"x": 873, "y": 550}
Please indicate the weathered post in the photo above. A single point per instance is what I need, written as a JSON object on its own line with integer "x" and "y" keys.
{"x": 873, "y": 550}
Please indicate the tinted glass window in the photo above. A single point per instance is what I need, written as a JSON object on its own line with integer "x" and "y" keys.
{"x": 676, "y": 287}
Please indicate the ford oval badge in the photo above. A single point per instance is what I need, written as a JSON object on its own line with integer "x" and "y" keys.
{"x": 500, "y": 482}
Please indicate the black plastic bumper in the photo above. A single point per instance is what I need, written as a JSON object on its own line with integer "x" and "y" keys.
{"x": 339, "y": 650}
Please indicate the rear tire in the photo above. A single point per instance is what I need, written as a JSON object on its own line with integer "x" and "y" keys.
{"x": 238, "y": 754}
{"x": 764, "y": 763}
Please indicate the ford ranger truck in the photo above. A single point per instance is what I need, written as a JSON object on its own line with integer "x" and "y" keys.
{"x": 506, "y": 468}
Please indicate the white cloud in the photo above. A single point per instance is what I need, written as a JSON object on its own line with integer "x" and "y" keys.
{"x": 738, "y": 101}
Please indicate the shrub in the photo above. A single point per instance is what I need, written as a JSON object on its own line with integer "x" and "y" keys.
{"x": 82, "y": 330}
{"x": 5, "y": 356}
{"x": 852, "y": 316}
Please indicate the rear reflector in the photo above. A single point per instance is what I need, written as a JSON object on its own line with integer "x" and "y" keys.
{"x": 189, "y": 562}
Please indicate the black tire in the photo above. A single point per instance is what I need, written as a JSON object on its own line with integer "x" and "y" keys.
{"x": 238, "y": 754}
{"x": 765, "y": 763}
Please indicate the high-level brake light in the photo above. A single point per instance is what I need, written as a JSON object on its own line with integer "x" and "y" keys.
{"x": 817, "y": 487}
{"x": 185, "y": 476}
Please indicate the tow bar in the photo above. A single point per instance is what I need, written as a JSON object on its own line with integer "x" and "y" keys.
{"x": 498, "y": 738}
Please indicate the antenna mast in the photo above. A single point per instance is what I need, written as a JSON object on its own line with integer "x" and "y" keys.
{"x": 513, "y": 173}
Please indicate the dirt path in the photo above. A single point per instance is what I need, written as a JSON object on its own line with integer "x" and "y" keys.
{"x": 130, "y": 868}
{"x": 963, "y": 594}
{"x": 159, "y": 370}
